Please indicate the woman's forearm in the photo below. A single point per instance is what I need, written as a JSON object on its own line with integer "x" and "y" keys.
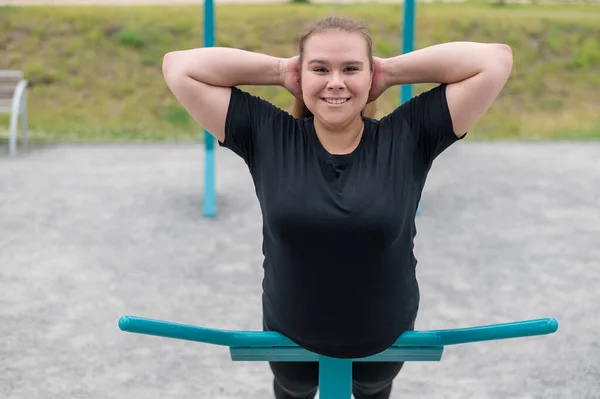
{"x": 445, "y": 63}
{"x": 225, "y": 67}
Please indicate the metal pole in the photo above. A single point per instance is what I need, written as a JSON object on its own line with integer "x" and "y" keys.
{"x": 210, "y": 204}
{"x": 408, "y": 42}
{"x": 408, "y": 39}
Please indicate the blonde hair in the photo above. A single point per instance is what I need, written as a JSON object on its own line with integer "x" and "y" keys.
{"x": 299, "y": 109}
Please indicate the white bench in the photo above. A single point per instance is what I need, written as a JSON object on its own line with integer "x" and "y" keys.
{"x": 13, "y": 101}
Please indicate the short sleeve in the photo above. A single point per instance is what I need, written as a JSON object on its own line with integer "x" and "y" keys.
{"x": 428, "y": 119}
{"x": 246, "y": 116}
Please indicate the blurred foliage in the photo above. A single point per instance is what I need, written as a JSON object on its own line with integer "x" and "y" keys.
{"x": 95, "y": 72}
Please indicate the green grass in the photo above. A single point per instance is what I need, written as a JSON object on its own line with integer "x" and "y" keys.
{"x": 95, "y": 72}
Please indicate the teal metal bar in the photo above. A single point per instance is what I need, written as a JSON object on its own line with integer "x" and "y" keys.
{"x": 201, "y": 334}
{"x": 335, "y": 378}
{"x": 497, "y": 331}
{"x": 408, "y": 40}
{"x": 297, "y": 354}
{"x": 273, "y": 339}
{"x": 408, "y": 43}
{"x": 210, "y": 202}
{"x": 335, "y": 375}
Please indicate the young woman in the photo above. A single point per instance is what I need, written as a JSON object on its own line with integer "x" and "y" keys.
{"x": 338, "y": 190}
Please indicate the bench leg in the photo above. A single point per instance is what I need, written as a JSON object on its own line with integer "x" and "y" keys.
{"x": 24, "y": 137}
{"x": 335, "y": 378}
{"x": 12, "y": 134}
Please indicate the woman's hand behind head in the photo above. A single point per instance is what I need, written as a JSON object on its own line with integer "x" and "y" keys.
{"x": 379, "y": 84}
{"x": 291, "y": 76}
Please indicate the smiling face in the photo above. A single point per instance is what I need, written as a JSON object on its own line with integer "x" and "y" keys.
{"x": 336, "y": 76}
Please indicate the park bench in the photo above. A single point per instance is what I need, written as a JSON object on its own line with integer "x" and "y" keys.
{"x": 13, "y": 101}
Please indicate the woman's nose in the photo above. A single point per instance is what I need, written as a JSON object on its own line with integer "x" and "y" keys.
{"x": 336, "y": 81}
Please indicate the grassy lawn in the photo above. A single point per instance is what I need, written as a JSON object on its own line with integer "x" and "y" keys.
{"x": 95, "y": 72}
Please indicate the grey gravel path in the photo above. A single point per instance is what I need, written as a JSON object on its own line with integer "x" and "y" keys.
{"x": 509, "y": 231}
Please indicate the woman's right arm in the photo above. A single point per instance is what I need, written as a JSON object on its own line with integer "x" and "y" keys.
{"x": 201, "y": 80}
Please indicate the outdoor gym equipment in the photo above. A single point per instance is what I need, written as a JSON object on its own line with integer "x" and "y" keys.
{"x": 335, "y": 375}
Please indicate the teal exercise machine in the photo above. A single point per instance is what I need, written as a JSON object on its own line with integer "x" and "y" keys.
{"x": 335, "y": 375}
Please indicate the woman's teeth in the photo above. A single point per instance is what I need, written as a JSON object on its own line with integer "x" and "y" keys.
{"x": 335, "y": 100}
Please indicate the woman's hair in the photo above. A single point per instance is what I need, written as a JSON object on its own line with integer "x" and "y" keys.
{"x": 299, "y": 109}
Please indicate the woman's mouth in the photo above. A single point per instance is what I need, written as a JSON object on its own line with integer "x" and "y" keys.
{"x": 335, "y": 100}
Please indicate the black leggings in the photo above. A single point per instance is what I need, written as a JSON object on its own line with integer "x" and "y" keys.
{"x": 299, "y": 380}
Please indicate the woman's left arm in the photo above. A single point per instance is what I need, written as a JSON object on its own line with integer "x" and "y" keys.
{"x": 474, "y": 72}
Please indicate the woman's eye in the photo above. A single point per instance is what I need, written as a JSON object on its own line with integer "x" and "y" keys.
{"x": 347, "y": 69}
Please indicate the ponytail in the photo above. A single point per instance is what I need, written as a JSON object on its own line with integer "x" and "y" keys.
{"x": 299, "y": 109}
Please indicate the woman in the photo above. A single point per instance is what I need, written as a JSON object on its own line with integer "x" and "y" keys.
{"x": 338, "y": 190}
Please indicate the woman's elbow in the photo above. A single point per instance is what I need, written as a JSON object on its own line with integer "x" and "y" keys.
{"x": 504, "y": 57}
{"x": 499, "y": 62}
{"x": 171, "y": 64}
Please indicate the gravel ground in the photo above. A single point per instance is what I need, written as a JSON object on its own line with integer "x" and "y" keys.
{"x": 508, "y": 231}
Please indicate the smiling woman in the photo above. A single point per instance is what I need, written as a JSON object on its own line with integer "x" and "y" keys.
{"x": 349, "y": 46}
{"x": 339, "y": 190}
{"x": 335, "y": 80}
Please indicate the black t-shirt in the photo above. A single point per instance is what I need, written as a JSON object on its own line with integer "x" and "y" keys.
{"x": 338, "y": 230}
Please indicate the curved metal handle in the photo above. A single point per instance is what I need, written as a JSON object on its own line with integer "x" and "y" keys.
{"x": 273, "y": 339}
{"x": 201, "y": 334}
{"x": 490, "y": 332}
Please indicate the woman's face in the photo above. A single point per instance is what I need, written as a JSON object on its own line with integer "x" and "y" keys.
{"x": 336, "y": 76}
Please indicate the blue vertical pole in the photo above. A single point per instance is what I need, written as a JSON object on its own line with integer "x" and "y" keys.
{"x": 210, "y": 203}
{"x": 408, "y": 42}
{"x": 408, "y": 39}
